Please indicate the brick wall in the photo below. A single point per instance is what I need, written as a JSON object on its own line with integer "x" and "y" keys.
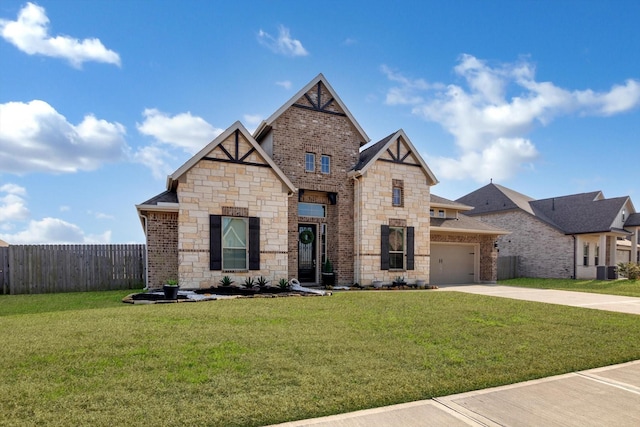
{"x": 544, "y": 251}
{"x": 162, "y": 247}
{"x": 298, "y": 131}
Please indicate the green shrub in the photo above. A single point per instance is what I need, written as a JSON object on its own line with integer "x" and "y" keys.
{"x": 630, "y": 270}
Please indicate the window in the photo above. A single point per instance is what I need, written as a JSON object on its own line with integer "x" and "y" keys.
{"x": 397, "y": 194}
{"x": 597, "y": 259}
{"x": 325, "y": 164}
{"x": 396, "y": 248}
{"x": 314, "y": 210}
{"x": 440, "y": 213}
{"x": 323, "y": 243}
{"x": 432, "y": 212}
{"x": 585, "y": 259}
{"x": 309, "y": 162}
{"x": 234, "y": 243}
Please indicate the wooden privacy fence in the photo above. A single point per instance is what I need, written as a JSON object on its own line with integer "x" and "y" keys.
{"x": 36, "y": 269}
{"x": 508, "y": 267}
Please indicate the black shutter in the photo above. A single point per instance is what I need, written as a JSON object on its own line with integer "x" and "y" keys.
{"x": 384, "y": 247}
{"x": 410, "y": 248}
{"x": 215, "y": 242}
{"x": 254, "y": 243}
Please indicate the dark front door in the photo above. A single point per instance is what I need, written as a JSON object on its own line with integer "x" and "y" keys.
{"x": 307, "y": 252}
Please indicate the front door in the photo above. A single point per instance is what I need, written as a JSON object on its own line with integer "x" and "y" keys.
{"x": 307, "y": 252}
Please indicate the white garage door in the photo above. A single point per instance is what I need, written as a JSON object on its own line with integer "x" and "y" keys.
{"x": 452, "y": 264}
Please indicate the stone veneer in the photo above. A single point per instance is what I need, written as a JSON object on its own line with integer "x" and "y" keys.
{"x": 306, "y": 130}
{"x": 211, "y": 186}
{"x": 162, "y": 247}
{"x": 544, "y": 251}
{"x": 374, "y": 207}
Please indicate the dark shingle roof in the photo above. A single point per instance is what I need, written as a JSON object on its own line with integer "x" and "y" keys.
{"x": 579, "y": 213}
{"x": 369, "y": 153}
{"x": 573, "y": 214}
{"x": 633, "y": 220}
{"x": 169, "y": 196}
{"x": 495, "y": 198}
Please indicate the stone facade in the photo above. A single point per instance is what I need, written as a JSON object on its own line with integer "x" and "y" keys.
{"x": 544, "y": 251}
{"x": 224, "y": 188}
{"x": 162, "y": 247}
{"x": 374, "y": 208}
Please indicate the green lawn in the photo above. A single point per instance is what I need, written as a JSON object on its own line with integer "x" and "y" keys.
{"x": 614, "y": 287}
{"x": 262, "y": 361}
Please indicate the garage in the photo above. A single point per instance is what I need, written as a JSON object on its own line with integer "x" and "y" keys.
{"x": 453, "y": 263}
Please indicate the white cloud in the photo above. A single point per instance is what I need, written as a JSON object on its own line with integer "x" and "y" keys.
{"x": 54, "y": 231}
{"x": 252, "y": 120}
{"x": 156, "y": 159}
{"x": 100, "y": 215}
{"x": 34, "y": 137}
{"x": 13, "y": 206}
{"x": 30, "y": 34}
{"x": 190, "y": 133}
{"x": 491, "y": 114}
{"x": 285, "y": 84}
{"x": 283, "y": 44}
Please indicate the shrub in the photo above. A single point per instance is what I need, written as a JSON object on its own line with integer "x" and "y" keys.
{"x": 630, "y": 270}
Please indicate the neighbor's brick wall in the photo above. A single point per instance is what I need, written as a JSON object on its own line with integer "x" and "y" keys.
{"x": 375, "y": 208}
{"x": 206, "y": 189}
{"x": 488, "y": 256}
{"x": 544, "y": 252}
{"x": 298, "y": 131}
{"x": 162, "y": 247}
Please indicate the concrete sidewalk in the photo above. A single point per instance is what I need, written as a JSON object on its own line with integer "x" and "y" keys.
{"x": 576, "y": 299}
{"x": 608, "y": 396}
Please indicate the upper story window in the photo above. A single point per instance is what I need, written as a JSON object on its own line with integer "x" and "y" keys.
{"x": 314, "y": 210}
{"x": 309, "y": 162}
{"x": 623, "y": 214}
{"x": 325, "y": 164}
{"x": 432, "y": 212}
{"x": 440, "y": 213}
{"x": 397, "y": 193}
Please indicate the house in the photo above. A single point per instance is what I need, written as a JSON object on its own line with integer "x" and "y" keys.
{"x": 574, "y": 236}
{"x": 299, "y": 191}
{"x": 3, "y": 244}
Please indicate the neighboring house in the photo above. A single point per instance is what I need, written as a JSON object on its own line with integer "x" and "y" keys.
{"x": 560, "y": 237}
{"x": 297, "y": 192}
{"x": 3, "y": 244}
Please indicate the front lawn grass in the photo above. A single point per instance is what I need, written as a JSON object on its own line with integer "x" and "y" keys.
{"x": 261, "y": 361}
{"x": 624, "y": 287}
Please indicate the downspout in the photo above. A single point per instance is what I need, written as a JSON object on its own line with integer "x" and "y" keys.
{"x": 575, "y": 249}
{"x": 146, "y": 253}
{"x": 357, "y": 262}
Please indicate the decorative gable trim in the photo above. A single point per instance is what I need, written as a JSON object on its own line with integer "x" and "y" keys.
{"x": 235, "y": 156}
{"x": 318, "y": 105}
{"x": 393, "y": 148}
{"x": 264, "y": 127}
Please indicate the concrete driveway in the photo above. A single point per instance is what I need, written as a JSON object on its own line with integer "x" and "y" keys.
{"x": 575, "y": 299}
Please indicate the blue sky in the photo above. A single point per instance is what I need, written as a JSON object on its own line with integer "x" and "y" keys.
{"x": 100, "y": 100}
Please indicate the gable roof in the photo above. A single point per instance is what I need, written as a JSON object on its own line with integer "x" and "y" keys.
{"x": 633, "y": 220}
{"x": 441, "y": 202}
{"x": 3, "y": 244}
{"x": 369, "y": 155}
{"x": 266, "y": 124}
{"x": 172, "y": 180}
{"x": 460, "y": 223}
{"x": 579, "y": 213}
{"x": 495, "y": 198}
{"x": 573, "y": 214}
